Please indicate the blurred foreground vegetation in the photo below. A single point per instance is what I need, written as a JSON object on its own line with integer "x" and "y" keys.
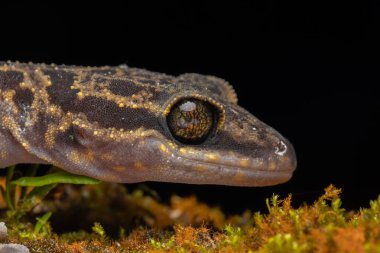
{"x": 43, "y": 218}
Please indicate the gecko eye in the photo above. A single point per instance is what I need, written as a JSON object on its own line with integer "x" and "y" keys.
{"x": 191, "y": 121}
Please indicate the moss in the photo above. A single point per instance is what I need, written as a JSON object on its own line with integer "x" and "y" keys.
{"x": 108, "y": 218}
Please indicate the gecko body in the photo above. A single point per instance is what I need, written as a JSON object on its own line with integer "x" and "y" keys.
{"x": 123, "y": 124}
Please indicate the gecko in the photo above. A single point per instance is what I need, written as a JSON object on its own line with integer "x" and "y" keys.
{"x": 124, "y": 124}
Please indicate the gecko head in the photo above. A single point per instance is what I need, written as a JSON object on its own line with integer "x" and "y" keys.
{"x": 218, "y": 142}
{"x": 191, "y": 131}
{"x": 221, "y": 143}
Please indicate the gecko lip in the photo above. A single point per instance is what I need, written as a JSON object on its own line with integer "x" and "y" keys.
{"x": 240, "y": 171}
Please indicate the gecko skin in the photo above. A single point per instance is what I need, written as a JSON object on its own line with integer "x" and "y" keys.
{"x": 122, "y": 124}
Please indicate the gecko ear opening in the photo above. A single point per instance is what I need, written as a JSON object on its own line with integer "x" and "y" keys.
{"x": 81, "y": 135}
{"x": 86, "y": 137}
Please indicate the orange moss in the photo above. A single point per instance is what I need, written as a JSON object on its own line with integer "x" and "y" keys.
{"x": 349, "y": 240}
{"x": 190, "y": 211}
{"x": 320, "y": 241}
{"x": 186, "y": 225}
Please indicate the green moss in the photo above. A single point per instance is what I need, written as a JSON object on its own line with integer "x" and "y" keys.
{"x": 372, "y": 214}
{"x": 285, "y": 243}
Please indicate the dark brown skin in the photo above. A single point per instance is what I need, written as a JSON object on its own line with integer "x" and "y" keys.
{"x": 122, "y": 124}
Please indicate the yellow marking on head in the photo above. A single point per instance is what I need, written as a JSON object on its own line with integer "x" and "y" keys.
{"x": 50, "y": 135}
{"x": 244, "y": 162}
{"x": 211, "y": 157}
{"x": 55, "y": 110}
{"x": 172, "y": 145}
{"x": 80, "y": 95}
{"x": 138, "y": 165}
{"x": 65, "y": 123}
{"x": 11, "y": 124}
{"x": 183, "y": 150}
{"x": 40, "y": 96}
{"x": 8, "y": 98}
{"x": 106, "y": 134}
{"x": 75, "y": 157}
{"x": 163, "y": 148}
{"x": 193, "y": 152}
{"x": 141, "y": 99}
{"x": 8, "y": 95}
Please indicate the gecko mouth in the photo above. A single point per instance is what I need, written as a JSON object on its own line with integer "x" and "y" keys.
{"x": 238, "y": 171}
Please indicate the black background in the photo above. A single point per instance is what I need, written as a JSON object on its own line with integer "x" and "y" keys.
{"x": 309, "y": 69}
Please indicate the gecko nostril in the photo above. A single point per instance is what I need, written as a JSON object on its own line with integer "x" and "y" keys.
{"x": 281, "y": 148}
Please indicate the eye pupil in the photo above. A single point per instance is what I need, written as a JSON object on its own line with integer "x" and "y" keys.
{"x": 191, "y": 120}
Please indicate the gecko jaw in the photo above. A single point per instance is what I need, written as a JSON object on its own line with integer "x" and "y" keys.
{"x": 230, "y": 169}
